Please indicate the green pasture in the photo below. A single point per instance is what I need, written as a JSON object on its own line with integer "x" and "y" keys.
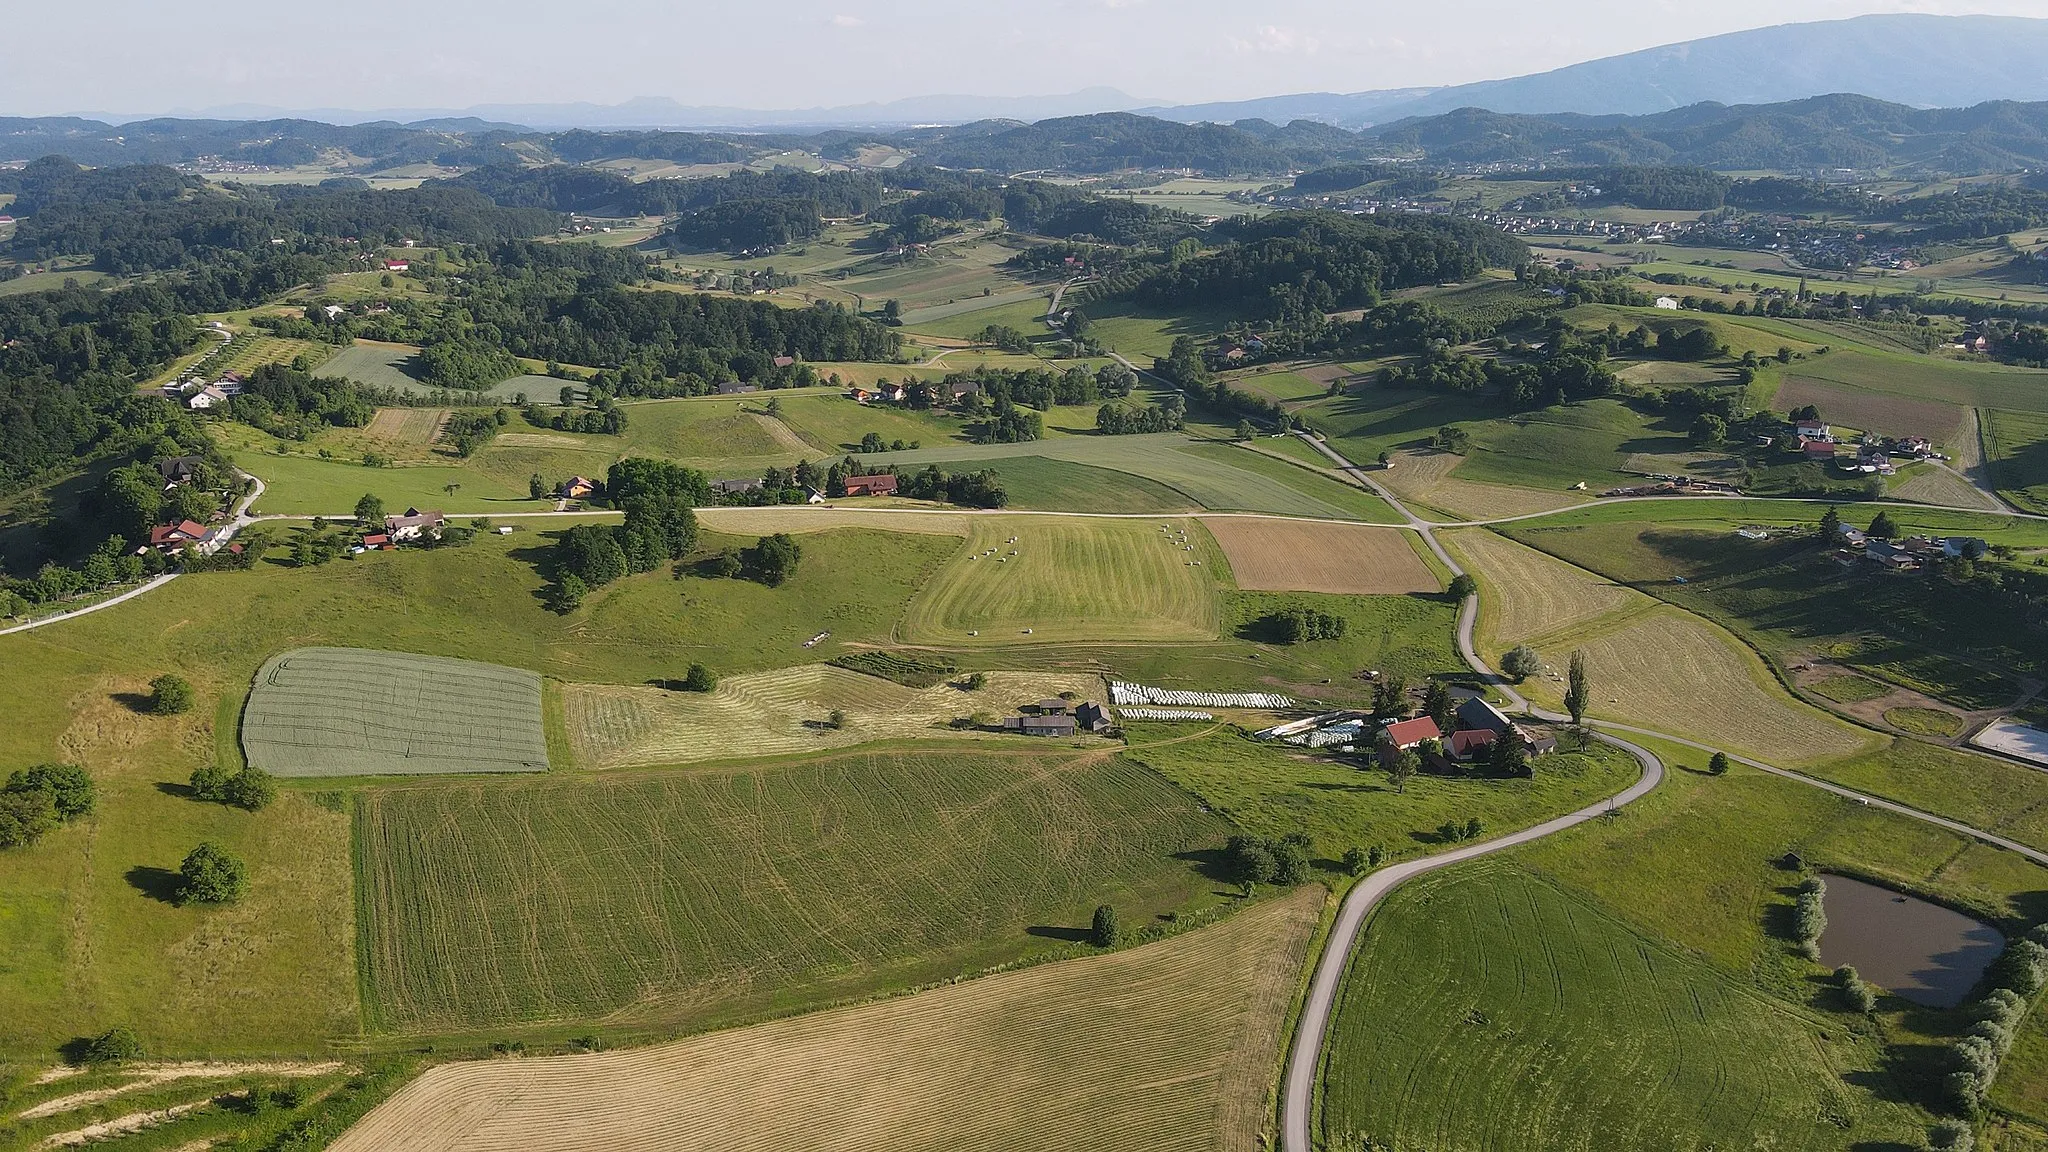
{"x": 684, "y": 900}
{"x": 1025, "y": 315}
{"x": 44, "y": 281}
{"x": 2016, "y": 446}
{"x": 307, "y": 486}
{"x": 1925, "y": 377}
{"x": 391, "y": 366}
{"x": 1274, "y": 789}
{"x": 1281, "y": 386}
{"x": 1044, "y": 484}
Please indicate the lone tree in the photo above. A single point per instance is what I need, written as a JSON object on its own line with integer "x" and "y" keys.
{"x": 1717, "y": 764}
{"x": 1830, "y": 524}
{"x": 1520, "y": 662}
{"x": 169, "y": 695}
{"x": 1403, "y": 764}
{"x": 1463, "y": 585}
{"x": 699, "y": 679}
{"x": 1355, "y": 861}
{"x": 1579, "y": 690}
{"x": 1436, "y": 704}
{"x": 210, "y": 876}
{"x": 1883, "y": 526}
{"x": 369, "y": 510}
{"x": 1104, "y": 933}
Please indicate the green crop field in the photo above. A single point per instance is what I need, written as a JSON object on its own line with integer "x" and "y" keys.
{"x": 306, "y": 486}
{"x": 1033, "y": 580}
{"x": 1038, "y": 482}
{"x": 1281, "y": 386}
{"x": 1491, "y": 1010}
{"x": 2016, "y": 444}
{"x": 1928, "y": 378}
{"x": 362, "y": 712}
{"x": 391, "y": 366}
{"x": 690, "y": 899}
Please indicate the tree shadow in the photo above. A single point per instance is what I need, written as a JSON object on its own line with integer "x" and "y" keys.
{"x": 1208, "y": 863}
{"x": 173, "y": 788}
{"x": 1051, "y": 932}
{"x": 156, "y": 883}
{"x": 133, "y": 701}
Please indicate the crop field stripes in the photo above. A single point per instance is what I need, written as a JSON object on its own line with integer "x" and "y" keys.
{"x": 687, "y": 898}
{"x": 1166, "y": 1047}
{"x": 360, "y": 712}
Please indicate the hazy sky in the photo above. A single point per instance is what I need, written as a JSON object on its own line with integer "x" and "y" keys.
{"x": 147, "y": 56}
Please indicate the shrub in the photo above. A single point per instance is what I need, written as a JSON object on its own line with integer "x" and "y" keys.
{"x": 1355, "y": 861}
{"x": 909, "y": 671}
{"x": 1717, "y": 764}
{"x": 36, "y": 800}
{"x": 1858, "y": 995}
{"x": 836, "y": 720}
{"x": 170, "y": 695}
{"x": 209, "y": 875}
{"x": 1259, "y": 860}
{"x": 251, "y": 789}
{"x": 115, "y": 1045}
{"x": 1104, "y": 933}
{"x": 1951, "y": 1136}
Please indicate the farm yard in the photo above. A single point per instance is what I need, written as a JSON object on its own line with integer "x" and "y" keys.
{"x": 359, "y": 712}
{"x": 1283, "y": 556}
{"x": 665, "y": 900}
{"x": 1165, "y": 1047}
{"x": 1033, "y": 580}
{"x": 785, "y": 713}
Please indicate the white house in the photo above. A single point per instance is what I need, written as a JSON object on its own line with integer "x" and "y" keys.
{"x": 1668, "y": 303}
{"x": 207, "y": 397}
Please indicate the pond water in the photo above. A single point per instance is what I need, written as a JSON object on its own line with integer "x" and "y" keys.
{"x": 1910, "y": 948}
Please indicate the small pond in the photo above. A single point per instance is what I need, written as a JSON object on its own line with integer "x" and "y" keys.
{"x": 1910, "y": 948}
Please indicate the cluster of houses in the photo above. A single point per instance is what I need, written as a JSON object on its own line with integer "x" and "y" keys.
{"x": 180, "y": 535}
{"x": 1053, "y": 717}
{"x": 1907, "y": 555}
{"x": 1476, "y": 726}
{"x": 1230, "y": 350}
{"x": 1873, "y": 456}
{"x": 951, "y": 392}
{"x": 413, "y": 527}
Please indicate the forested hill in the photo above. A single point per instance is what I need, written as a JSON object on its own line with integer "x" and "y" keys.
{"x": 1823, "y": 132}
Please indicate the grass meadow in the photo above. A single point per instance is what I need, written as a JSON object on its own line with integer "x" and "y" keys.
{"x": 670, "y": 900}
{"x": 2016, "y": 447}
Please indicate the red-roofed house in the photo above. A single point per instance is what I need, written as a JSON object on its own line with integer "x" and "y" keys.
{"x": 1817, "y": 449}
{"x": 785, "y": 361}
{"x": 1409, "y": 733}
{"x": 380, "y": 540}
{"x": 1470, "y": 742}
{"x": 171, "y": 537}
{"x": 397, "y": 265}
{"x": 882, "y": 484}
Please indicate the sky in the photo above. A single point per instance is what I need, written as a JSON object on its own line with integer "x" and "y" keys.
{"x": 149, "y": 57}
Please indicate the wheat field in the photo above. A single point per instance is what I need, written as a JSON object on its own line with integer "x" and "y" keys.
{"x": 1168, "y": 1047}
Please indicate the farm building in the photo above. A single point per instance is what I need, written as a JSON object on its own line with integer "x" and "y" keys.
{"x": 378, "y": 540}
{"x": 398, "y": 265}
{"x": 1091, "y": 717}
{"x": 785, "y": 361}
{"x": 1812, "y": 430}
{"x": 1470, "y": 742}
{"x": 1817, "y": 449}
{"x": 735, "y": 388}
{"x": 1040, "y": 725}
{"x": 1410, "y": 733}
{"x": 179, "y": 469}
{"x": 206, "y": 397}
{"x": 415, "y": 525}
{"x": 1668, "y": 303}
{"x": 881, "y": 484}
{"x": 735, "y": 487}
{"x": 1886, "y": 554}
{"x": 578, "y": 487}
{"x": 1851, "y": 536}
{"x": 1477, "y": 713}
{"x": 1052, "y": 707}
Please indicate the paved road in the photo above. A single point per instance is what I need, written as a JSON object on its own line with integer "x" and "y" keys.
{"x": 1305, "y": 1060}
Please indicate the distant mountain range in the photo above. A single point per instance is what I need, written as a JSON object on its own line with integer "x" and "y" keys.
{"x": 1920, "y": 61}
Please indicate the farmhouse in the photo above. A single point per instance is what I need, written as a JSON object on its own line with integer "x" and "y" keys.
{"x": 1817, "y": 449}
{"x": 735, "y": 388}
{"x": 398, "y": 265}
{"x": 735, "y": 487}
{"x": 378, "y": 540}
{"x": 179, "y": 469}
{"x": 172, "y": 537}
{"x": 578, "y": 487}
{"x": 785, "y": 361}
{"x": 881, "y": 484}
{"x": 1477, "y": 713}
{"x": 1888, "y": 555}
{"x": 415, "y": 525}
{"x": 1668, "y": 303}
{"x": 207, "y": 397}
{"x": 1470, "y": 742}
{"x": 1813, "y": 430}
{"x": 1851, "y": 535}
{"x": 1410, "y": 733}
{"x": 1092, "y": 717}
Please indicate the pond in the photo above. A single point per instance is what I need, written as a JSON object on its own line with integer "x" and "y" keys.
{"x": 1919, "y": 951}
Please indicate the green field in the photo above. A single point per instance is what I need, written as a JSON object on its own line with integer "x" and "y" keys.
{"x": 1491, "y": 1010}
{"x": 361, "y": 712}
{"x": 688, "y": 899}
{"x": 1927, "y": 378}
{"x": 1274, "y": 789}
{"x": 1037, "y": 482}
{"x": 307, "y": 486}
{"x": 1042, "y": 581}
{"x": 2016, "y": 445}
{"x": 391, "y": 366}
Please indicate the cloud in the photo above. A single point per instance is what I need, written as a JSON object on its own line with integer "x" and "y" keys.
{"x": 1276, "y": 40}
{"x": 844, "y": 21}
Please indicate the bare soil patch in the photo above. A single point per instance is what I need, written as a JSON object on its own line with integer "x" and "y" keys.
{"x": 1297, "y": 556}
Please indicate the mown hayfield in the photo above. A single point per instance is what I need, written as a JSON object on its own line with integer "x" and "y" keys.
{"x": 700, "y": 429}
{"x": 306, "y": 486}
{"x": 784, "y": 713}
{"x": 1867, "y": 411}
{"x": 1951, "y": 382}
{"x": 802, "y": 519}
{"x": 1071, "y": 579}
{"x": 1296, "y": 556}
{"x": 1428, "y": 477}
{"x": 361, "y": 712}
{"x": 673, "y": 900}
{"x": 407, "y": 425}
{"x": 1666, "y": 669}
{"x": 1168, "y": 1047}
{"x": 1931, "y": 485}
{"x": 1037, "y": 482}
{"x": 1528, "y": 593}
{"x": 376, "y": 364}
{"x": 1282, "y": 386}
{"x": 1491, "y": 1010}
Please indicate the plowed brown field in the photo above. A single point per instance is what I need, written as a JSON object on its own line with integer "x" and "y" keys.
{"x": 1298, "y": 556}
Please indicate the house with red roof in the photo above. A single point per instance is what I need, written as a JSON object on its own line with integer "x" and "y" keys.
{"x": 173, "y": 537}
{"x": 881, "y": 484}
